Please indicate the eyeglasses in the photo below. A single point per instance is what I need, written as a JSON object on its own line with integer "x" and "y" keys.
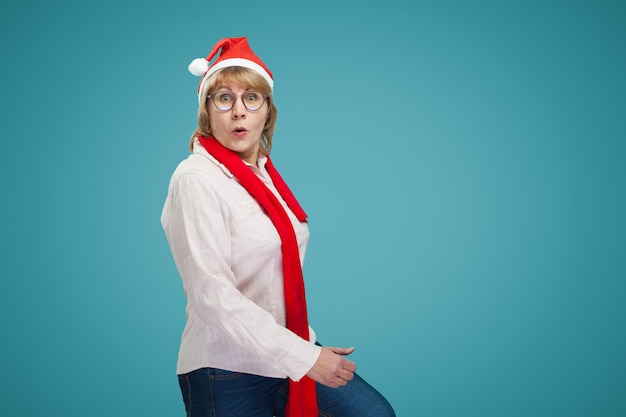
{"x": 225, "y": 100}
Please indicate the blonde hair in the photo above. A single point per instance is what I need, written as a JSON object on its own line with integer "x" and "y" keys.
{"x": 243, "y": 77}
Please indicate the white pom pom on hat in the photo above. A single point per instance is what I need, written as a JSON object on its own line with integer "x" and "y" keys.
{"x": 235, "y": 52}
{"x": 199, "y": 67}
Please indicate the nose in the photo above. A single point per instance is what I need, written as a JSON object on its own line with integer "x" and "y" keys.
{"x": 239, "y": 111}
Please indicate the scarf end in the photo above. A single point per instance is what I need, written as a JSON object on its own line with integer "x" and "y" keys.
{"x": 302, "y": 401}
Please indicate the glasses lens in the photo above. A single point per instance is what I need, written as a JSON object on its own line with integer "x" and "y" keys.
{"x": 253, "y": 100}
{"x": 223, "y": 101}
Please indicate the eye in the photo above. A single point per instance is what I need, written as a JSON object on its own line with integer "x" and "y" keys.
{"x": 252, "y": 97}
{"x": 224, "y": 98}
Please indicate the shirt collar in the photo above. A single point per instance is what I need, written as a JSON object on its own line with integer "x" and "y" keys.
{"x": 199, "y": 149}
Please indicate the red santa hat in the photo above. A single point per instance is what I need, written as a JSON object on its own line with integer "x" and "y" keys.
{"x": 235, "y": 52}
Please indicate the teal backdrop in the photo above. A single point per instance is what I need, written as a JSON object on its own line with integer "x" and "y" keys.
{"x": 462, "y": 163}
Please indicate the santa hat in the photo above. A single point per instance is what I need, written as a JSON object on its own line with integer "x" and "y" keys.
{"x": 235, "y": 52}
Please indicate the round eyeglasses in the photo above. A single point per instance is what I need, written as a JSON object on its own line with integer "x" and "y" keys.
{"x": 225, "y": 100}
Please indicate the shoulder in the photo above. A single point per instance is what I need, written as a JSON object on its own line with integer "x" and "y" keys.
{"x": 196, "y": 187}
{"x": 200, "y": 177}
{"x": 198, "y": 167}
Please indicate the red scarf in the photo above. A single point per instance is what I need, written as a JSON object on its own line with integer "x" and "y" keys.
{"x": 302, "y": 400}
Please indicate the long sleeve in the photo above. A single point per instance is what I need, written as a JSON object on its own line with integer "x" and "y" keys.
{"x": 225, "y": 253}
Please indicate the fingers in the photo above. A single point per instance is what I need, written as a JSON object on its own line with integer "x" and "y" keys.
{"x": 345, "y": 371}
{"x": 346, "y": 374}
{"x": 342, "y": 351}
{"x": 344, "y": 363}
{"x": 340, "y": 380}
{"x": 348, "y": 365}
{"x": 332, "y": 368}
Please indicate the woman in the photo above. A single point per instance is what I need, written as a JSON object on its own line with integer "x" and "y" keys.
{"x": 238, "y": 237}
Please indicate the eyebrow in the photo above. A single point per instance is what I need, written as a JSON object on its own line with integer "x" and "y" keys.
{"x": 230, "y": 89}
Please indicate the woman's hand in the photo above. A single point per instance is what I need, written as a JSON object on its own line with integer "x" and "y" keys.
{"x": 331, "y": 368}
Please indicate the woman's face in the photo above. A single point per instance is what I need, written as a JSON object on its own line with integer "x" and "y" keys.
{"x": 238, "y": 129}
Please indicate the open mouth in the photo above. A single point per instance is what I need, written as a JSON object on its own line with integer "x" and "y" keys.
{"x": 240, "y": 130}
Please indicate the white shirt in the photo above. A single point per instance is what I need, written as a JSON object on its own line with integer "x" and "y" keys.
{"x": 228, "y": 254}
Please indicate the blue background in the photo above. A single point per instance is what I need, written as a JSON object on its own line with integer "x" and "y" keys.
{"x": 463, "y": 165}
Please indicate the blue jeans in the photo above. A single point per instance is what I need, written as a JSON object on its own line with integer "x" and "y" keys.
{"x": 210, "y": 392}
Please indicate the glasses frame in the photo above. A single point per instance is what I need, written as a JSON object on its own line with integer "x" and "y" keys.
{"x": 212, "y": 97}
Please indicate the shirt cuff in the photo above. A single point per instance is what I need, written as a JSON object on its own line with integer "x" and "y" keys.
{"x": 300, "y": 359}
